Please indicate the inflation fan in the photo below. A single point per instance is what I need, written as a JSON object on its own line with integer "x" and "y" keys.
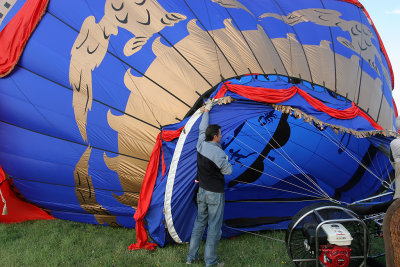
{"x": 325, "y": 234}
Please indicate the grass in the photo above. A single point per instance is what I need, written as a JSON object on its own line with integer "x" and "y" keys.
{"x": 65, "y": 243}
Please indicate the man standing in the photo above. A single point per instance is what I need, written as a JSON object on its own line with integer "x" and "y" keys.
{"x": 212, "y": 165}
{"x": 395, "y": 160}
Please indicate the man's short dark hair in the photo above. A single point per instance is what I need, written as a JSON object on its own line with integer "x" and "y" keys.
{"x": 212, "y": 129}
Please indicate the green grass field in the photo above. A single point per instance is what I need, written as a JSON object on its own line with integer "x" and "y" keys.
{"x": 65, "y": 243}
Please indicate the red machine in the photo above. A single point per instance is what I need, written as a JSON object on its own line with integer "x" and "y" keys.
{"x": 333, "y": 256}
{"x": 327, "y": 235}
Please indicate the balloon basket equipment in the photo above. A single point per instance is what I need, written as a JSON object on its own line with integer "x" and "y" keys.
{"x": 325, "y": 234}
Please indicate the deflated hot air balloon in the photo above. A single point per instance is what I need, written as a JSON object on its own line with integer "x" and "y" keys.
{"x": 99, "y": 108}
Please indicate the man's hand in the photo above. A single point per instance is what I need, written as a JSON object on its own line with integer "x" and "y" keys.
{"x": 208, "y": 106}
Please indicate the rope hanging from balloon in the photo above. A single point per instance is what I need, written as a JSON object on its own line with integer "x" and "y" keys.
{"x": 286, "y": 156}
{"x": 251, "y": 233}
{"x": 290, "y": 160}
{"x": 315, "y": 191}
{"x": 339, "y": 145}
{"x": 275, "y": 188}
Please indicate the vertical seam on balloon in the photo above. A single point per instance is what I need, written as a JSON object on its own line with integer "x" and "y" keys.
{"x": 333, "y": 48}
{"x": 276, "y": 51}
{"x": 244, "y": 38}
{"x": 380, "y": 106}
{"x": 201, "y": 75}
{"x": 382, "y": 47}
{"x": 211, "y": 37}
{"x": 290, "y": 51}
{"x": 302, "y": 47}
{"x": 362, "y": 60}
{"x": 215, "y": 47}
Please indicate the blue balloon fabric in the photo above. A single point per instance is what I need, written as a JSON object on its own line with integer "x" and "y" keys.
{"x": 99, "y": 80}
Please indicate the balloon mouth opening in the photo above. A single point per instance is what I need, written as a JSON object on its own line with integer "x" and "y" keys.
{"x": 206, "y": 95}
{"x": 264, "y": 78}
{"x": 281, "y": 154}
{"x": 333, "y": 109}
{"x": 278, "y": 158}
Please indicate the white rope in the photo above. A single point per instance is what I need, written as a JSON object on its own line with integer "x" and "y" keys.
{"x": 376, "y": 166}
{"x": 290, "y": 160}
{"x": 383, "y": 170}
{"x": 388, "y": 173}
{"x": 279, "y": 179}
{"x": 247, "y": 232}
{"x": 275, "y": 188}
{"x": 391, "y": 181}
{"x": 314, "y": 189}
{"x": 347, "y": 151}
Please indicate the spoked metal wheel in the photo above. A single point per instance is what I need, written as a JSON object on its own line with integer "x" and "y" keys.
{"x": 304, "y": 251}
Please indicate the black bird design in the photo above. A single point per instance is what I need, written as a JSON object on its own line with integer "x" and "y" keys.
{"x": 278, "y": 140}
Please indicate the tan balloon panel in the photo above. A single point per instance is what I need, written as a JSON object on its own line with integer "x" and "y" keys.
{"x": 321, "y": 61}
{"x": 385, "y": 116}
{"x": 85, "y": 192}
{"x": 265, "y": 51}
{"x": 370, "y": 95}
{"x": 293, "y": 56}
{"x": 237, "y": 51}
{"x": 135, "y": 137}
{"x": 201, "y": 51}
{"x": 130, "y": 173}
{"x": 348, "y": 76}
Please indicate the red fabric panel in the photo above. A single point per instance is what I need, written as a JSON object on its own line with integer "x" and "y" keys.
{"x": 345, "y": 114}
{"x": 14, "y": 36}
{"x": 2, "y": 176}
{"x": 368, "y": 118}
{"x": 259, "y": 94}
{"x": 222, "y": 91}
{"x": 146, "y": 191}
{"x": 395, "y": 109}
{"x": 13, "y": 209}
{"x": 274, "y": 96}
